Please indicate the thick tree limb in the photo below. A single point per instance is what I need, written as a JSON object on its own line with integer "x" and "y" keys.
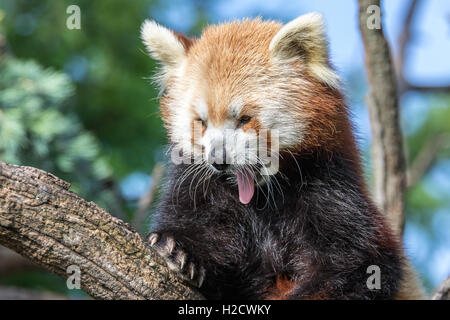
{"x": 388, "y": 156}
{"x": 55, "y": 228}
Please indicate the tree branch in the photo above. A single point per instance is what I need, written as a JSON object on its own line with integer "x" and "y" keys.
{"x": 404, "y": 40}
{"x": 426, "y": 157}
{"x": 55, "y": 228}
{"x": 389, "y": 163}
{"x": 408, "y": 86}
{"x": 443, "y": 292}
{"x": 405, "y": 35}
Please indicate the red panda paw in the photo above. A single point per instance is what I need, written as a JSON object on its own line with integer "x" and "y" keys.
{"x": 176, "y": 258}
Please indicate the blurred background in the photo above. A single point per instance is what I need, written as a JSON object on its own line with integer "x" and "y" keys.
{"x": 79, "y": 104}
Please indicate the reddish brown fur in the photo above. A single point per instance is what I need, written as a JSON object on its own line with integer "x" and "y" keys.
{"x": 185, "y": 41}
{"x": 228, "y": 58}
{"x": 228, "y": 62}
{"x": 253, "y": 124}
{"x": 281, "y": 290}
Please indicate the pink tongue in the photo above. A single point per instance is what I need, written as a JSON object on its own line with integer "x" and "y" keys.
{"x": 246, "y": 187}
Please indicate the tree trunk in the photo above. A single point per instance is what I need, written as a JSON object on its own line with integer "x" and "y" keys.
{"x": 388, "y": 157}
{"x": 55, "y": 228}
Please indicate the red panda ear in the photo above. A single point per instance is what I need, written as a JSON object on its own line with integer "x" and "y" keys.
{"x": 164, "y": 45}
{"x": 304, "y": 38}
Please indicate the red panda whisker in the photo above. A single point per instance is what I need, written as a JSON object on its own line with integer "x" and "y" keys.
{"x": 208, "y": 179}
{"x": 197, "y": 172}
{"x": 183, "y": 177}
{"x": 200, "y": 175}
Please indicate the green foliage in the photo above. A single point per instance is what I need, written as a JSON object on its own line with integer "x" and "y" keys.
{"x": 38, "y": 280}
{"x": 420, "y": 203}
{"x": 38, "y": 129}
{"x": 435, "y": 125}
{"x": 92, "y": 124}
{"x": 108, "y": 64}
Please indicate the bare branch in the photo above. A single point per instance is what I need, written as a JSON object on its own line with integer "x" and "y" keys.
{"x": 426, "y": 158}
{"x": 55, "y": 228}
{"x": 404, "y": 41}
{"x": 147, "y": 199}
{"x": 387, "y": 146}
{"x": 443, "y": 292}
{"x": 408, "y": 86}
{"x": 405, "y": 35}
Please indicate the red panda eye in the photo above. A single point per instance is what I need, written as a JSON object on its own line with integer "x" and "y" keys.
{"x": 244, "y": 120}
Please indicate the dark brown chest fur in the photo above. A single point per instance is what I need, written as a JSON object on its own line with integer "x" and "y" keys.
{"x": 317, "y": 230}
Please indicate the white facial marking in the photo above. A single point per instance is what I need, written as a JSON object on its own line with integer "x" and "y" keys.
{"x": 202, "y": 109}
{"x": 235, "y": 108}
{"x": 162, "y": 44}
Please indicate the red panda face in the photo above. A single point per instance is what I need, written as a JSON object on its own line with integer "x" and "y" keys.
{"x": 240, "y": 88}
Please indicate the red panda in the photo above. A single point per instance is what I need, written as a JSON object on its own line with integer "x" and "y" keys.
{"x": 305, "y": 229}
